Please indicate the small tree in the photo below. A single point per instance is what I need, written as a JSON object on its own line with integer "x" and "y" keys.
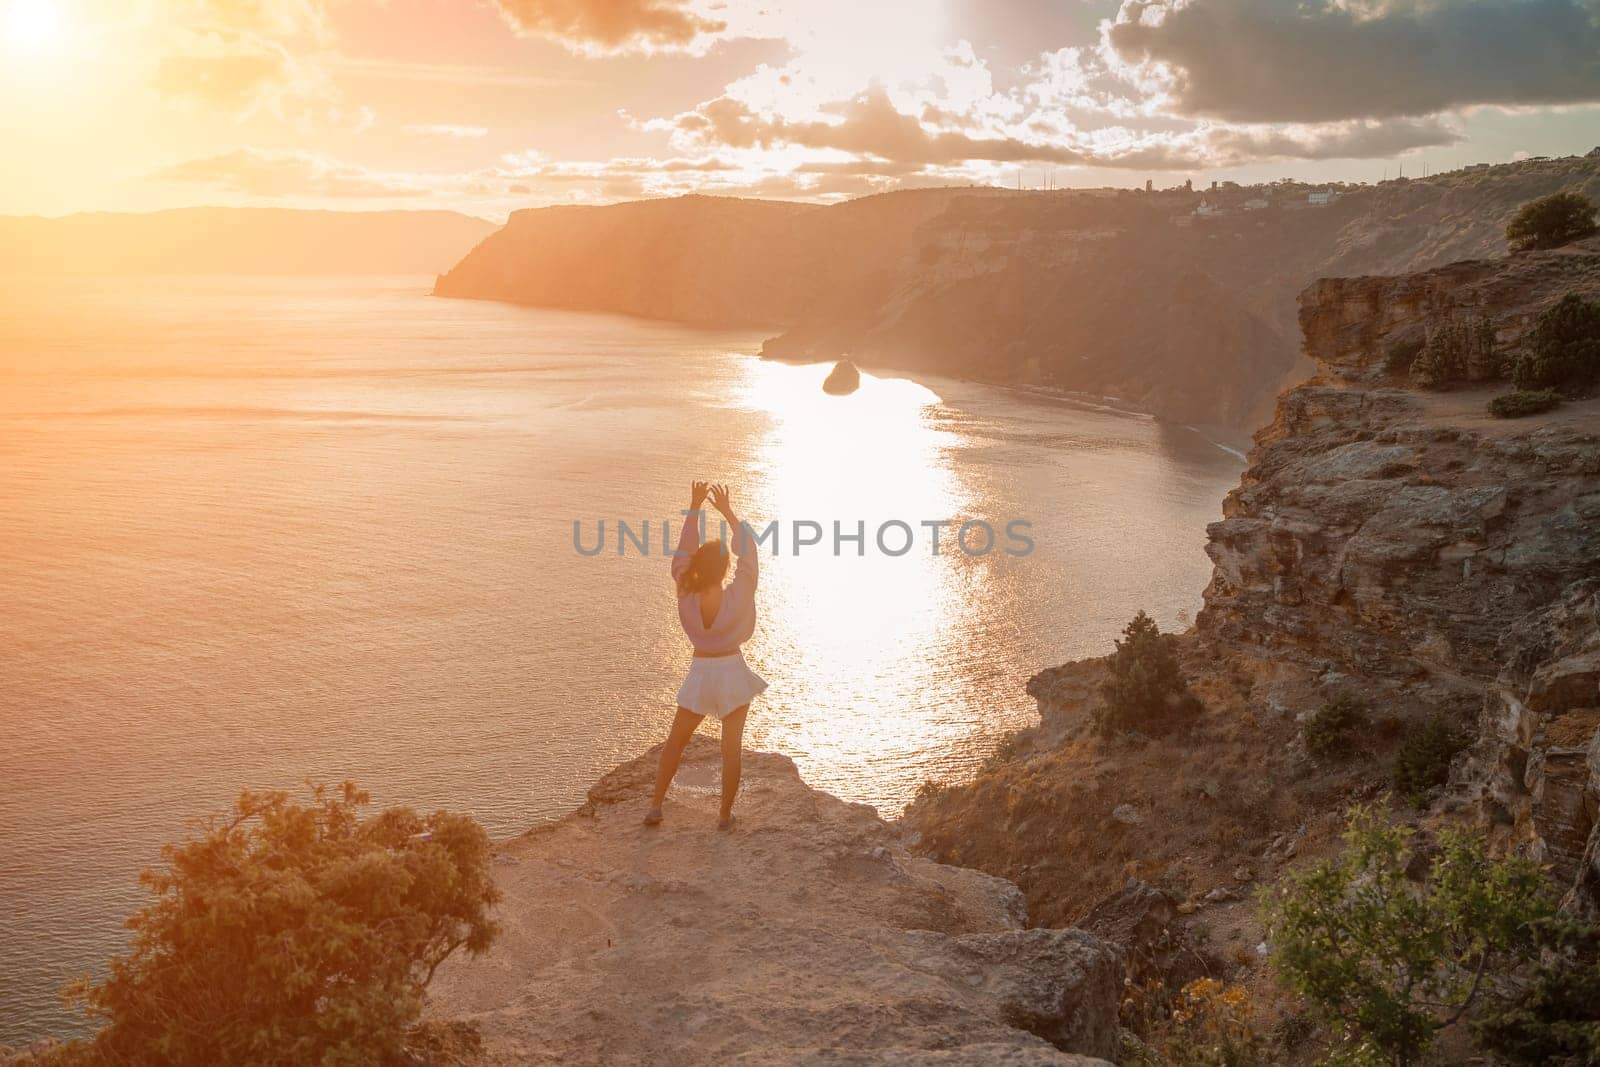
{"x": 1389, "y": 963}
{"x": 1555, "y": 1021}
{"x": 1550, "y": 222}
{"x": 1457, "y": 349}
{"x": 1145, "y": 689}
{"x": 1334, "y": 729}
{"x": 1563, "y": 349}
{"x": 291, "y": 934}
{"x": 1423, "y": 761}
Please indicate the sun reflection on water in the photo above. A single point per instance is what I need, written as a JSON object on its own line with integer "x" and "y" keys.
{"x": 842, "y": 631}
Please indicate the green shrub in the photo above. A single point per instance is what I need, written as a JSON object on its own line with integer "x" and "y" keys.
{"x": 1523, "y": 402}
{"x": 1424, "y": 758}
{"x": 1333, "y": 731}
{"x": 1145, "y": 690}
{"x": 1457, "y": 350}
{"x": 1550, "y": 222}
{"x": 291, "y": 934}
{"x": 1563, "y": 349}
{"x": 1388, "y": 963}
{"x": 1556, "y": 1018}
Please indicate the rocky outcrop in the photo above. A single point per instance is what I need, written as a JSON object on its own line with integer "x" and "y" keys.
{"x": 1406, "y": 546}
{"x": 807, "y": 935}
{"x": 1400, "y": 545}
{"x": 1536, "y": 767}
{"x": 1385, "y": 539}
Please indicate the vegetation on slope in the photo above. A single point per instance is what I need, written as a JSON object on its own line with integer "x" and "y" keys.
{"x": 1387, "y": 962}
{"x": 1144, "y": 688}
{"x": 1563, "y": 350}
{"x": 1550, "y": 222}
{"x": 291, "y": 934}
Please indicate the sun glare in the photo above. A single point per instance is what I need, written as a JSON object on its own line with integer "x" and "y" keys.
{"x": 34, "y": 27}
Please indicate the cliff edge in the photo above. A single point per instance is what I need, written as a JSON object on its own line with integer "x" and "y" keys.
{"x": 1388, "y": 543}
{"x": 807, "y": 935}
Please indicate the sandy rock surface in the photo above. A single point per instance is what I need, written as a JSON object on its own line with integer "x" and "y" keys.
{"x": 807, "y": 935}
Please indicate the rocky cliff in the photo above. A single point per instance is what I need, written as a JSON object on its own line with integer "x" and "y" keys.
{"x": 1180, "y": 303}
{"x": 1398, "y": 545}
{"x": 1407, "y": 547}
{"x": 699, "y": 259}
{"x": 1392, "y": 535}
{"x": 807, "y": 935}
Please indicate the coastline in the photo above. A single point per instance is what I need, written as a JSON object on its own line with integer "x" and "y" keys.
{"x": 1076, "y": 398}
{"x": 1087, "y": 401}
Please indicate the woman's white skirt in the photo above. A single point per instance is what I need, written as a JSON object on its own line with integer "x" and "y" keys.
{"x": 719, "y": 685}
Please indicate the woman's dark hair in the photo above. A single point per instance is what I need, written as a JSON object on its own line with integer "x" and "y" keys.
{"x": 706, "y": 568}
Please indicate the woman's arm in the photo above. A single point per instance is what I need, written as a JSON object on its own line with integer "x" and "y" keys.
{"x": 689, "y": 539}
{"x": 748, "y": 565}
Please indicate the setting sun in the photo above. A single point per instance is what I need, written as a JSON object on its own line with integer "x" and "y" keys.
{"x": 34, "y": 27}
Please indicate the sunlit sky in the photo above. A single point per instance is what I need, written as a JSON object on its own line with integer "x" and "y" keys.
{"x": 488, "y": 105}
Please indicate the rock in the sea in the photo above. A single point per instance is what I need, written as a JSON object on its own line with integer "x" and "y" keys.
{"x": 843, "y": 380}
{"x": 807, "y": 935}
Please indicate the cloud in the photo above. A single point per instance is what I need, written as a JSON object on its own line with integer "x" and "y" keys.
{"x": 870, "y": 127}
{"x": 1330, "y": 60}
{"x": 615, "y": 26}
{"x": 524, "y": 178}
{"x": 275, "y": 175}
{"x": 1353, "y": 139}
{"x": 249, "y": 59}
{"x": 235, "y": 78}
{"x": 446, "y": 129}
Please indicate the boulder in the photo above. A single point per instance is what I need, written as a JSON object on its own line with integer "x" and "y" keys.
{"x": 1572, "y": 682}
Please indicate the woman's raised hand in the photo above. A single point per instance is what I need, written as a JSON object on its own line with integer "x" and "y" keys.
{"x": 697, "y": 495}
{"x": 721, "y": 501}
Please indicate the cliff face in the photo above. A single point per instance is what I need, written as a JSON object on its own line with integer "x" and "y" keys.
{"x": 700, "y": 259}
{"x": 1394, "y": 535}
{"x": 1114, "y": 293}
{"x": 1399, "y": 545}
{"x": 807, "y": 935}
{"x": 1408, "y": 547}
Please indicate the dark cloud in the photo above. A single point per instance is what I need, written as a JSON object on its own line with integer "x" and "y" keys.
{"x": 873, "y": 130}
{"x": 1357, "y": 139}
{"x": 613, "y": 25}
{"x": 1323, "y": 60}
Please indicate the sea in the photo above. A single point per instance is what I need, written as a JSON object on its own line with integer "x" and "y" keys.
{"x": 259, "y": 532}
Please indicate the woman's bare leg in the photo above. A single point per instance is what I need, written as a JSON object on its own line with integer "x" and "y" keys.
{"x": 683, "y": 726}
{"x": 732, "y": 746}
